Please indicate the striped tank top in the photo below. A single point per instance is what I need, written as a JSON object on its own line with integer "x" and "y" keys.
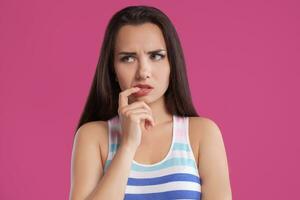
{"x": 174, "y": 177}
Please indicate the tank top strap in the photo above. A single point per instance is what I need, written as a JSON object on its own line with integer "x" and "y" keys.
{"x": 114, "y": 131}
{"x": 182, "y": 147}
{"x": 181, "y": 131}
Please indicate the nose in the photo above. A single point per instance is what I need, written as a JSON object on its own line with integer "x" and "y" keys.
{"x": 144, "y": 69}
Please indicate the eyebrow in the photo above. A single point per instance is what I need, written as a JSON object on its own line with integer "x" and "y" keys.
{"x": 133, "y": 53}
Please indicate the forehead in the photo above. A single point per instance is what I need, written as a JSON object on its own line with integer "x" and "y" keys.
{"x": 147, "y": 36}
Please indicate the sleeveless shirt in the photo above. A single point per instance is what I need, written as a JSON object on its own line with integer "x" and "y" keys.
{"x": 174, "y": 177}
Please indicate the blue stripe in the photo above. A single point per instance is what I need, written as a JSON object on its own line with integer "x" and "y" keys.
{"x": 177, "y": 146}
{"x": 181, "y": 146}
{"x": 176, "y": 194}
{"x": 164, "y": 179}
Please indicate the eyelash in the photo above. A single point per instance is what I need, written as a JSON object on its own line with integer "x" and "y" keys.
{"x": 123, "y": 59}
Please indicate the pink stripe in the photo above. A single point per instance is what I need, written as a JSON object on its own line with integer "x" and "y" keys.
{"x": 181, "y": 137}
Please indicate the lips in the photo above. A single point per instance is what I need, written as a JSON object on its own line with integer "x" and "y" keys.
{"x": 142, "y": 92}
{"x": 143, "y": 86}
{"x": 145, "y": 89}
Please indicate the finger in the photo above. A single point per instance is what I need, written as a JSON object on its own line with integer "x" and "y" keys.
{"x": 136, "y": 111}
{"x": 123, "y": 96}
{"x": 140, "y": 110}
{"x": 137, "y": 104}
{"x": 144, "y": 117}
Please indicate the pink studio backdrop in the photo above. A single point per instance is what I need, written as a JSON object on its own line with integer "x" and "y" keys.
{"x": 242, "y": 61}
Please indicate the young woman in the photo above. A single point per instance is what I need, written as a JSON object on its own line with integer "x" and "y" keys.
{"x": 139, "y": 136}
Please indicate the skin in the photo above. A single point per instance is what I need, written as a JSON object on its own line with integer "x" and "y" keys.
{"x": 91, "y": 144}
{"x": 133, "y": 69}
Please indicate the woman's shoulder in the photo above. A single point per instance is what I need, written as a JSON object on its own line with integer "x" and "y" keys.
{"x": 93, "y": 128}
{"x": 203, "y": 121}
{"x": 201, "y": 127}
{"x": 95, "y": 131}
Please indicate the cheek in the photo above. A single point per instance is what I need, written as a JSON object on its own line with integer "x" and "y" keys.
{"x": 167, "y": 80}
{"x": 124, "y": 76}
{"x": 163, "y": 76}
{"x": 164, "y": 73}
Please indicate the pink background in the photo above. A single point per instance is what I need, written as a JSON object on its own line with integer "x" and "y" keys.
{"x": 242, "y": 59}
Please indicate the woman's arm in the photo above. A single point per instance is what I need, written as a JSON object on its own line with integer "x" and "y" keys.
{"x": 213, "y": 166}
{"x": 88, "y": 181}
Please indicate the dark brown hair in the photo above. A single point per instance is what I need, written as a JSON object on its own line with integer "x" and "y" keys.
{"x": 102, "y": 101}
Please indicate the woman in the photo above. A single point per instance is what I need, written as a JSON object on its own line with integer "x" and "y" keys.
{"x": 139, "y": 136}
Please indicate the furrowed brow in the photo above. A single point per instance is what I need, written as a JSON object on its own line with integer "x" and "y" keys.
{"x": 133, "y": 53}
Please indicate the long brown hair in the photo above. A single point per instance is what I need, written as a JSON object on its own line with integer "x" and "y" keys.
{"x": 102, "y": 101}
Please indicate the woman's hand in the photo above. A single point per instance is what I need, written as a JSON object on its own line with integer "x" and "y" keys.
{"x": 133, "y": 117}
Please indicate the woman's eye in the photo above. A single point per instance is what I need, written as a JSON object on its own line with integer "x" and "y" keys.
{"x": 125, "y": 58}
{"x": 153, "y": 56}
{"x": 157, "y": 56}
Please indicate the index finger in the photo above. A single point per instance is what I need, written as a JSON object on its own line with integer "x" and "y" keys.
{"x": 123, "y": 96}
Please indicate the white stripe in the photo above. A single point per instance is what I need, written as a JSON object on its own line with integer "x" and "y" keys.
{"x": 177, "y": 185}
{"x": 164, "y": 172}
{"x": 174, "y": 153}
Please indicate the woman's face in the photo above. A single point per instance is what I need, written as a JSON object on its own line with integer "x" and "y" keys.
{"x": 141, "y": 57}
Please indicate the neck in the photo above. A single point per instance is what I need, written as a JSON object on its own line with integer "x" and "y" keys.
{"x": 159, "y": 111}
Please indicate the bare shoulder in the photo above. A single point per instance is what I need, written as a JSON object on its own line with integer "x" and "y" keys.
{"x": 203, "y": 127}
{"x": 212, "y": 163}
{"x": 86, "y": 164}
{"x": 199, "y": 128}
{"x": 95, "y": 131}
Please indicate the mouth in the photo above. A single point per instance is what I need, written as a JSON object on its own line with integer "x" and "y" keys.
{"x": 143, "y": 86}
{"x": 142, "y": 92}
{"x": 145, "y": 90}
